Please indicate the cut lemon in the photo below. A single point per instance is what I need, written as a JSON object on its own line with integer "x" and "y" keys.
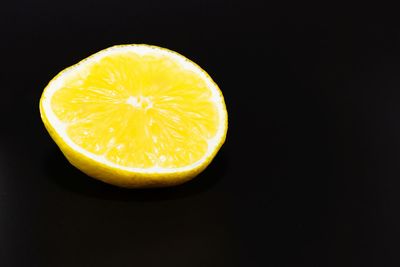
{"x": 136, "y": 116}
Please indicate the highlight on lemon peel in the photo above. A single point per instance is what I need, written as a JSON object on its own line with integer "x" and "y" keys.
{"x": 136, "y": 116}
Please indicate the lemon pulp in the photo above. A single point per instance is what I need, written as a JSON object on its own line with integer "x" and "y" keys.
{"x": 138, "y": 111}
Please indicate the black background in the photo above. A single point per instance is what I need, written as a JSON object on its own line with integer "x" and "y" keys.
{"x": 309, "y": 175}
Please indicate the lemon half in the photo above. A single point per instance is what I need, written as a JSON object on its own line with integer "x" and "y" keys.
{"x": 136, "y": 116}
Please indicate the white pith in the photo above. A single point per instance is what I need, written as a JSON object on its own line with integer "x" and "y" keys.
{"x": 60, "y": 127}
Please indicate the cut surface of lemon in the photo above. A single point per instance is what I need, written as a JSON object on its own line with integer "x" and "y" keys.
{"x": 136, "y": 116}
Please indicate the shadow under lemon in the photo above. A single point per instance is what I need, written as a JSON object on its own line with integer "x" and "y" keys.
{"x": 59, "y": 171}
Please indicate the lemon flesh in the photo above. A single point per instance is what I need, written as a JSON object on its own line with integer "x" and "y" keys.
{"x": 136, "y": 116}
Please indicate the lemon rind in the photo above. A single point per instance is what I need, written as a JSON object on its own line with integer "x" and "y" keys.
{"x": 80, "y": 157}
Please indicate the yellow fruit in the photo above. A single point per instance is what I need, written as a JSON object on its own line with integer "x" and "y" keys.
{"x": 136, "y": 116}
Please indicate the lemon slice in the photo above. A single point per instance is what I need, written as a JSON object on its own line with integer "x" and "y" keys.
{"x": 136, "y": 116}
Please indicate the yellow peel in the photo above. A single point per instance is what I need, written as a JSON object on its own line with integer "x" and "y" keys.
{"x": 136, "y": 116}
